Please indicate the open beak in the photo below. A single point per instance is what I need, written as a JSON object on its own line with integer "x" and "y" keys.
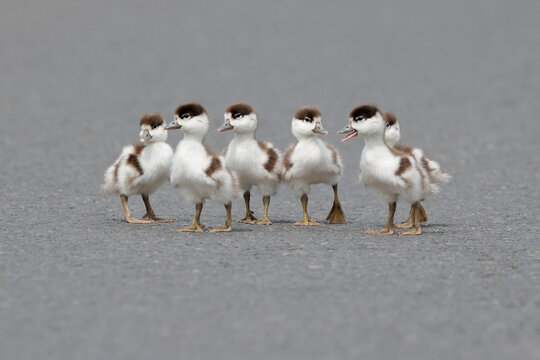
{"x": 319, "y": 130}
{"x": 226, "y": 126}
{"x": 173, "y": 126}
{"x": 145, "y": 136}
{"x": 349, "y": 131}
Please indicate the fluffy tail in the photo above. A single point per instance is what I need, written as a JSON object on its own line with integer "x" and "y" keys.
{"x": 436, "y": 174}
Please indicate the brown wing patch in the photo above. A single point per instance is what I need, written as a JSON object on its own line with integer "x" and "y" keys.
{"x": 271, "y": 155}
{"x": 404, "y": 164}
{"x": 133, "y": 161}
{"x": 334, "y": 154}
{"x": 287, "y": 158}
{"x": 215, "y": 165}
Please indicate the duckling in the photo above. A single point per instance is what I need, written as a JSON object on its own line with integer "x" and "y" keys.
{"x": 255, "y": 162}
{"x": 392, "y": 135}
{"x": 198, "y": 172}
{"x": 141, "y": 169}
{"x": 391, "y": 173}
{"x": 311, "y": 161}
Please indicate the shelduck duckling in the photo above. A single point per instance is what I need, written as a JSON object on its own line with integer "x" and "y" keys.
{"x": 312, "y": 161}
{"x": 198, "y": 172}
{"x": 391, "y": 173}
{"x": 392, "y": 135}
{"x": 141, "y": 169}
{"x": 255, "y": 162}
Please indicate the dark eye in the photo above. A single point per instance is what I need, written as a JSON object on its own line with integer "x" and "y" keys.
{"x": 308, "y": 119}
{"x": 237, "y": 115}
{"x": 155, "y": 126}
{"x": 185, "y": 116}
{"x": 359, "y": 118}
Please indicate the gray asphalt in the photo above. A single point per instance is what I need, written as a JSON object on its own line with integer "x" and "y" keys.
{"x": 77, "y": 282}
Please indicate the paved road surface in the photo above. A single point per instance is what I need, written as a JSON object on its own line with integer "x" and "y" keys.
{"x": 77, "y": 282}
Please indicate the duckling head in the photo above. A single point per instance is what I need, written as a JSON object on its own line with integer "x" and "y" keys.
{"x": 152, "y": 128}
{"x": 392, "y": 133}
{"x": 364, "y": 120}
{"x": 307, "y": 123}
{"x": 192, "y": 118}
{"x": 241, "y": 118}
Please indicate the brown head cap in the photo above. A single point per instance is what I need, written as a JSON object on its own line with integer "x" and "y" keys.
{"x": 307, "y": 111}
{"x": 240, "y": 108}
{"x": 193, "y": 109}
{"x": 389, "y": 118}
{"x": 152, "y": 119}
{"x": 365, "y": 111}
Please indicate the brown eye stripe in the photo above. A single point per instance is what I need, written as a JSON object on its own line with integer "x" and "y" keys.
{"x": 151, "y": 119}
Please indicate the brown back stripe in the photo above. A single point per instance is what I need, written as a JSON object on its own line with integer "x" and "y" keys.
{"x": 287, "y": 158}
{"x": 425, "y": 164}
{"x": 404, "y": 148}
{"x": 116, "y": 166}
{"x": 272, "y": 160}
{"x": 404, "y": 164}
{"x": 215, "y": 165}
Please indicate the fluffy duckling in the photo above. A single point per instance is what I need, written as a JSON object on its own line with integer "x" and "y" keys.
{"x": 312, "y": 161}
{"x": 141, "y": 169}
{"x": 198, "y": 172}
{"x": 392, "y": 135}
{"x": 255, "y": 162}
{"x": 391, "y": 173}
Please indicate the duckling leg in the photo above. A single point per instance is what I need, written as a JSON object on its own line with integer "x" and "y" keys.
{"x": 264, "y": 220}
{"x": 336, "y": 215}
{"x": 150, "y": 215}
{"x": 127, "y": 213}
{"x": 228, "y": 222}
{"x": 423, "y": 214}
{"x": 389, "y": 227}
{"x": 196, "y": 225}
{"x": 306, "y": 221}
{"x": 249, "y": 214}
{"x": 415, "y": 230}
{"x": 410, "y": 221}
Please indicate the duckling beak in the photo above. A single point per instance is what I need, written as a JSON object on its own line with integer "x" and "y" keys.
{"x": 349, "y": 131}
{"x": 145, "y": 136}
{"x": 173, "y": 126}
{"x": 226, "y": 126}
{"x": 319, "y": 130}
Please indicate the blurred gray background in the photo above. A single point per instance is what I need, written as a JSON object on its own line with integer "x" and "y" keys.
{"x": 77, "y": 282}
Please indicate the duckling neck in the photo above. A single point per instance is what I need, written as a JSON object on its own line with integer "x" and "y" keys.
{"x": 196, "y": 137}
{"x": 307, "y": 139}
{"x": 375, "y": 141}
{"x": 245, "y": 136}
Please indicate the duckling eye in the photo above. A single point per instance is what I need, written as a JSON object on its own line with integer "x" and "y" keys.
{"x": 185, "y": 116}
{"x": 359, "y": 118}
{"x": 237, "y": 115}
{"x": 308, "y": 119}
{"x": 155, "y": 126}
